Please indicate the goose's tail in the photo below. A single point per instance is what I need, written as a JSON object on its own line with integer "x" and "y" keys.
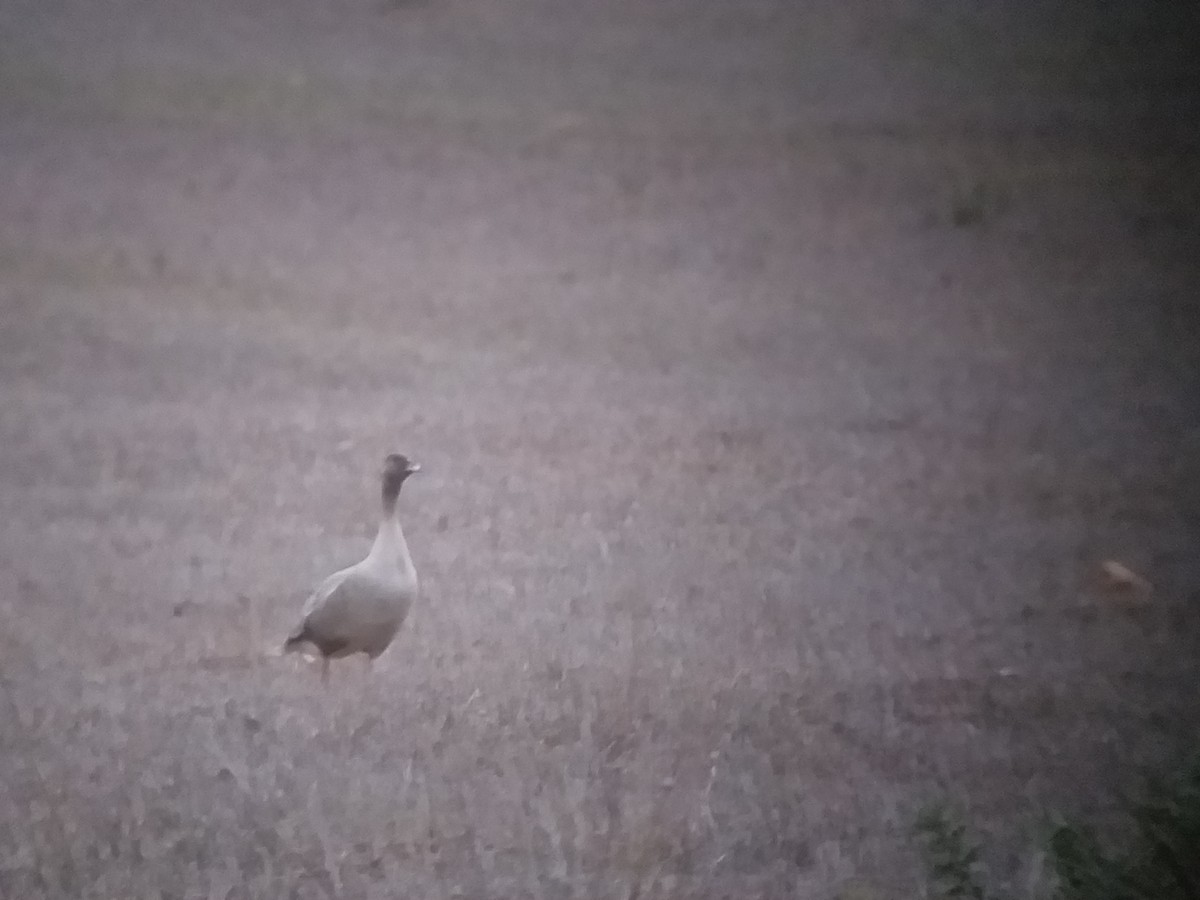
{"x": 296, "y": 639}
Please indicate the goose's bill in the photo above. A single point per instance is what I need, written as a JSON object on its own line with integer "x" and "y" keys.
{"x": 413, "y": 468}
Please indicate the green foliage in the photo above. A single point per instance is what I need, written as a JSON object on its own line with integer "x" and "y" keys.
{"x": 1162, "y": 860}
{"x": 951, "y": 857}
{"x": 1082, "y": 868}
{"x": 1159, "y": 861}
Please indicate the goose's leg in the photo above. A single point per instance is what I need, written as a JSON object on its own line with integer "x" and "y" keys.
{"x": 324, "y": 669}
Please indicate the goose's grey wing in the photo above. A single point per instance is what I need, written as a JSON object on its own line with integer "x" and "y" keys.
{"x": 317, "y": 599}
{"x": 358, "y": 613}
{"x": 324, "y": 591}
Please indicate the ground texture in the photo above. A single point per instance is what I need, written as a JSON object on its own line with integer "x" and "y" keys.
{"x": 783, "y": 375}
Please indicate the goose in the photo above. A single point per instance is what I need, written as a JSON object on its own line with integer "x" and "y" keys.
{"x": 360, "y": 608}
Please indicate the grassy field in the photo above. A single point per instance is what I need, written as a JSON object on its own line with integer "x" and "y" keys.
{"x": 782, "y": 379}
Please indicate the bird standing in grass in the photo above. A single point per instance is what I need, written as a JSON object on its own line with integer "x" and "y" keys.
{"x": 360, "y": 608}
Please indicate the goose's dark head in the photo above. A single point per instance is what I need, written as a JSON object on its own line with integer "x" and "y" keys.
{"x": 396, "y": 468}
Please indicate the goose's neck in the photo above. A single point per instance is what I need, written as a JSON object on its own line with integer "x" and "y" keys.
{"x": 390, "y": 546}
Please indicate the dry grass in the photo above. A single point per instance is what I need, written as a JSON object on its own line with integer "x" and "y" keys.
{"x": 760, "y": 501}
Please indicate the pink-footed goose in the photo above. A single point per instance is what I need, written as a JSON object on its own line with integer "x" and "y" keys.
{"x": 360, "y": 608}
